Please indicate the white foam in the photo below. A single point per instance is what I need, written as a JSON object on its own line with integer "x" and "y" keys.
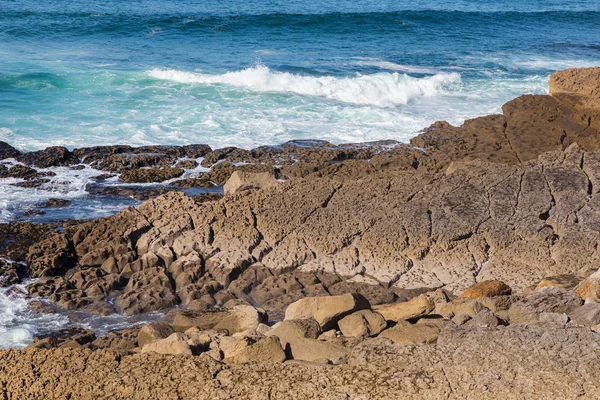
{"x": 17, "y": 326}
{"x": 391, "y": 66}
{"x": 382, "y": 89}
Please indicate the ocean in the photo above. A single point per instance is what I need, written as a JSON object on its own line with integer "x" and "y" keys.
{"x": 243, "y": 73}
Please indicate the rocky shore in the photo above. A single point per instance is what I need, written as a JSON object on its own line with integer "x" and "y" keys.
{"x": 461, "y": 265}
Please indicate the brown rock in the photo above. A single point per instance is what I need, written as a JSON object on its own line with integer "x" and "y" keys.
{"x": 486, "y": 289}
{"x": 242, "y": 318}
{"x": 246, "y": 351}
{"x": 153, "y": 332}
{"x": 204, "y": 320}
{"x": 362, "y": 323}
{"x": 240, "y": 181}
{"x": 326, "y": 310}
{"x": 567, "y": 281}
{"x": 175, "y": 344}
{"x": 590, "y": 287}
{"x": 547, "y": 300}
{"x": 415, "y": 308}
{"x": 406, "y": 333}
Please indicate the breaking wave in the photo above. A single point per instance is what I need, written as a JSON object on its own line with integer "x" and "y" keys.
{"x": 383, "y": 89}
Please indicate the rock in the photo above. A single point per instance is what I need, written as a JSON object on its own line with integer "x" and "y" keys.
{"x": 246, "y": 351}
{"x": 240, "y": 181}
{"x": 490, "y": 288}
{"x": 553, "y": 318}
{"x": 52, "y": 203}
{"x": 567, "y": 281}
{"x": 362, "y": 323}
{"x": 152, "y": 332}
{"x": 56, "y": 156}
{"x": 406, "y": 333}
{"x": 7, "y": 151}
{"x": 289, "y": 330}
{"x": 461, "y": 319}
{"x": 313, "y": 350}
{"x": 588, "y": 314}
{"x": 546, "y": 300}
{"x": 175, "y": 344}
{"x": 148, "y": 175}
{"x": 242, "y": 318}
{"x": 469, "y": 307}
{"x": 204, "y": 320}
{"x": 77, "y": 335}
{"x": 590, "y": 287}
{"x": 484, "y": 318}
{"x": 125, "y": 339}
{"x": 415, "y": 308}
{"x": 326, "y": 310}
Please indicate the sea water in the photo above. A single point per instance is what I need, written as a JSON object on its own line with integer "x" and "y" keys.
{"x": 248, "y": 73}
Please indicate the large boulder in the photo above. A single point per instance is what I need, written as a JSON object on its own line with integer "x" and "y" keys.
{"x": 588, "y": 314}
{"x": 547, "y": 300}
{"x": 289, "y": 330}
{"x": 314, "y": 350}
{"x": 7, "y": 151}
{"x": 590, "y": 287}
{"x": 362, "y": 323}
{"x": 489, "y": 288}
{"x": 175, "y": 344}
{"x": 406, "y": 333}
{"x": 415, "y": 308}
{"x": 204, "y": 320}
{"x": 246, "y": 351}
{"x": 56, "y": 156}
{"x": 326, "y": 310}
{"x": 153, "y": 332}
{"x": 243, "y": 180}
{"x": 242, "y": 319}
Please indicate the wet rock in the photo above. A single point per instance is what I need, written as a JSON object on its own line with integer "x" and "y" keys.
{"x": 193, "y": 183}
{"x": 7, "y": 151}
{"x": 18, "y": 171}
{"x": 55, "y": 156}
{"x": 11, "y": 273}
{"x": 79, "y": 335}
{"x": 52, "y": 203}
{"x": 148, "y": 175}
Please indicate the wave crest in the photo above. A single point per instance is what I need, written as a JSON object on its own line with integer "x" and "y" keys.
{"x": 381, "y": 89}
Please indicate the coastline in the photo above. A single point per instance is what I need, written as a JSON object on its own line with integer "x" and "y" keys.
{"x": 508, "y": 197}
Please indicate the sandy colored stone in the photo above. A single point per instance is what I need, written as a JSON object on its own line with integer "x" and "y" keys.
{"x": 411, "y": 334}
{"x": 362, "y": 323}
{"x": 242, "y": 318}
{"x": 314, "y": 350}
{"x": 175, "y": 344}
{"x": 415, "y": 308}
{"x": 240, "y": 181}
{"x": 152, "y": 332}
{"x": 246, "y": 351}
{"x": 326, "y": 310}
{"x": 547, "y": 300}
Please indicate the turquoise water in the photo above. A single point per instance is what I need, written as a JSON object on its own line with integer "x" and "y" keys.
{"x": 245, "y": 73}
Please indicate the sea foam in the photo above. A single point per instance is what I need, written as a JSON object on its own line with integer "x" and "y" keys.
{"x": 382, "y": 89}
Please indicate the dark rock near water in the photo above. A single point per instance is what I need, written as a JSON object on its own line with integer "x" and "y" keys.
{"x": 56, "y": 156}
{"x": 7, "y": 151}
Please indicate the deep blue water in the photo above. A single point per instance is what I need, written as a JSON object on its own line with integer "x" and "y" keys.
{"x": 247, "y": 73}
